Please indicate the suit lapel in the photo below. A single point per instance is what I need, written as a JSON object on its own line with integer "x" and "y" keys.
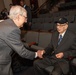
{"x": 55, "y": 41}
{"x": 65, "y": 38}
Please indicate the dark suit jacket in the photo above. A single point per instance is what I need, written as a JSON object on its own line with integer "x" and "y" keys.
{"x": 10, "y": 40}
{"x": 67, "y": 46}
{"x": 27, "y": 26}
{"x": 29, "y": 14}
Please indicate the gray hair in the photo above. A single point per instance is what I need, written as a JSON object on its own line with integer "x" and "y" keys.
{"x": 15, "y": 10}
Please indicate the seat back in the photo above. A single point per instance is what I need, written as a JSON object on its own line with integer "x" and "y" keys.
{"x": 72, "y": 26}
{"x": 44, "y": 39}
{"x": 48, "y": 26}
{"x": 31, "y": 36}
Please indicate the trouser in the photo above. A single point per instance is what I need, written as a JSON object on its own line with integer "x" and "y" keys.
{"x": 40, "y": 66}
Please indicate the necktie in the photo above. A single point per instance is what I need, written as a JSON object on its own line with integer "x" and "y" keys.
{"x": 60, "y": 38}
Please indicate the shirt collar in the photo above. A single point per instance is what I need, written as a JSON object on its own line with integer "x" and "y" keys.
{"x": 62, "y": 34}
{"x": 24, "y": 6}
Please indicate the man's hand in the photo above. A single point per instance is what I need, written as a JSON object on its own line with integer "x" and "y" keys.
{"x": 59, "y": 55}
{"x": 40, "y": 53}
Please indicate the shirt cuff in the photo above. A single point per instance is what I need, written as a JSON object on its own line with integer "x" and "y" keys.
{"x": 35, "y": 54}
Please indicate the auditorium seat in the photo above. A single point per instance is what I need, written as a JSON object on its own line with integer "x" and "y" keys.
{"x": 72, "y": 26}
{"x": 73, "y": 66}
{"x": 37, "y": 26}
{"x": 48, "y": 26}
{"x": 43, "y": 41}
{"x": 31, "y": 37}
{"x": 70, "y": 18}
{"x": 48, "y": 20}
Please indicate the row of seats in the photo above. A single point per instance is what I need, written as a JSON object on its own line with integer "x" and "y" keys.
{"x": 43, "y": 26}
{"x": 37, "y": 40}
{"x": 59, "y": 13}
{"x": 68, "y": 5}
{"x": 71, "y": 19}
{"x": 50, "y": 26}
{"x": 47, "y": 22}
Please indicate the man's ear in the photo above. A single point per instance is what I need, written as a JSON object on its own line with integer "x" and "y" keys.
{"x": 66, "y": 26}
{"x": 18, "y": 17}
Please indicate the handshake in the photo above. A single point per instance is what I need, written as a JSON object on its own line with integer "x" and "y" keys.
{"x": 40, "y": 53}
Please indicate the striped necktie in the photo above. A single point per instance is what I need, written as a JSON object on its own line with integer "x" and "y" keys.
{"x": 60, "y": 38}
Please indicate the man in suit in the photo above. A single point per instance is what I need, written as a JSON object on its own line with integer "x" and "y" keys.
{"x": 27, "y": 26}
{"x": 57, "y": 53}
{"x": 10, "y": 39}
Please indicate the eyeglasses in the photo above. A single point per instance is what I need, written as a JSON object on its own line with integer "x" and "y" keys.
{"x": 24, "y": 16}
{"x": 61, "y": 25}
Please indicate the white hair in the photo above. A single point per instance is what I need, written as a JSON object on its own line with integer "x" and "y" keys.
{"x": 15, "y": 10}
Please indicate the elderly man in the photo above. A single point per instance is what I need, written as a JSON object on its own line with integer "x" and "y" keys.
{"x": 10, "y": 39}
{"x": 62, "y": 45}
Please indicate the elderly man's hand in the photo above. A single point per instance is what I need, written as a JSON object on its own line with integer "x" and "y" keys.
{"x": 40, "y": 53}
{"x": 59, "y": 55}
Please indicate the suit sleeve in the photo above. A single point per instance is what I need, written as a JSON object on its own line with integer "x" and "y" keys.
{"x": 49, "y": 49}
{"x": 13, "y": 40}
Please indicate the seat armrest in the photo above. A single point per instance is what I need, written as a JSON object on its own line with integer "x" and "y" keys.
{"x": 34, "y": 47}
{"x": 49, "y": 69}
{"x": 32, "y": 43}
